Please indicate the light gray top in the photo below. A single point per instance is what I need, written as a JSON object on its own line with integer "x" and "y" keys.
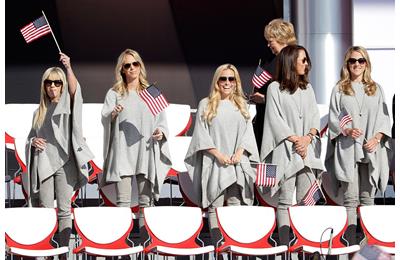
{"x": 62, "y": 128}
{"x": 129, "y": 148}
{"x": 370, "y": 114}
{"x": 227, "y": 132}
{"x": 285, "y": 115}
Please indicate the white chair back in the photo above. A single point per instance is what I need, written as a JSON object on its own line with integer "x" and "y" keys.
{"x": 246, "y": 224}
{"x": 312, "y": 221}
{"x": 103, "y": 225}
{"x": 173, "y": 224}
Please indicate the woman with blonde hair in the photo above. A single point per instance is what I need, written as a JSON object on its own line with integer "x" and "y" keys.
{"x": 223, "y": 147}
{"x": 57, "y": 154}
{"x": 359, "y": 135}
{"x": 135, "y": 140}
{"x": 278, "y": 33}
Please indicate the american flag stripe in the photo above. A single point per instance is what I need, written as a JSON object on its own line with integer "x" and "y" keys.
{"x": 35, "y": 29}
{"x": 155, "y": 104}
{"x": 313, "y": 195}
{"x": 346, "y": 119}
{"x": 266, "y": 175}
{"x": 260, "y": 77}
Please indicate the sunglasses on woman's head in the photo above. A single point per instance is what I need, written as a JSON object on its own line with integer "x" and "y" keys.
{"x": 353, "y": 61}
{"x": 223, "y": 79}
{"x": 128, "y": 65}
{"x": 58, "y": 83}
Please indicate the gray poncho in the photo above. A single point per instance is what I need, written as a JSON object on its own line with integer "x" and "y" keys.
{"x": 129, "y": 148}
{"x": 370, "y": 114}
{"x": 285, "y": 115}
{"x": 227, "y": 132}
{"x": 62, "y": 130}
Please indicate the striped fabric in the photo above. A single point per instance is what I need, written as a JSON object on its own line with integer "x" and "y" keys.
{"x": 344, "y": 119}
{"x": 314, "y": 194}
{"x": 260, "y": 77}
{"x": 266, "y": 175}
{"x": 35, "y": 29}
{"x": 154, "y": 99}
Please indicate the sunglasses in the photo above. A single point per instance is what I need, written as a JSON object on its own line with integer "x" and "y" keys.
{"x": 58, "y": 83}
{"x": 353, "y": 61}
{"x": 128, "y": 65}
{"x": 223, "y": 79}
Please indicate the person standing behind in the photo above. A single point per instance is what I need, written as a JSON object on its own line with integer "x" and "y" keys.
{"x": 223, "y": 147}
{"x": 57, "y": 154}
{"x": 135, "y": 141}
{"x": 278, "y": 34}
{"x": 357, "y": 149}
{"x": 292, "y": 123}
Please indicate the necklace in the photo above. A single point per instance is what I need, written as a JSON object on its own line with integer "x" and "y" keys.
{"x": 299, "y": 105}
{"x": 360, "y": 107}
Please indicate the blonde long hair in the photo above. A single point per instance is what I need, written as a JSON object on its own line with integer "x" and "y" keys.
{"x": 120, "y": 86}
{"x": 44, "y": 98}
{"x": 214, "y": 97}
{"x": 345, "y": 80}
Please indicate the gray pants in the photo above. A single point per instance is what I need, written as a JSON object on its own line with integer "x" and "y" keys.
{"x": 232, "y": 197}
{"x": 302, "y": 181}
{"x": 358, "y": 192}
{"x": 124, "y": 192}
{"x": 62, "y": 183}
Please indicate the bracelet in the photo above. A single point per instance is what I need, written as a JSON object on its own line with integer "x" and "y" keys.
{"x": 311, "y": 136}
{"x": 377, "y": 139}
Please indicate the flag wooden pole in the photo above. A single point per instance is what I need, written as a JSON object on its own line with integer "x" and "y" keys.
{"x": 55, "y": 40}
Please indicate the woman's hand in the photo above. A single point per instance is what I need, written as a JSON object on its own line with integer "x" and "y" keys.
{"x": 353, "y": 132}
{"x": 372, "y": 143}
{"x": 158, "y": 134}
{"x": 65, "y": 60}
{"x": 237, "y": 156}
{"x": 117, "y": 109}
{"x": 222, "y": 158}
{"x": 39, "y": 143}
{"x": 257, "y": 98}
{"x": 301, "y": 144}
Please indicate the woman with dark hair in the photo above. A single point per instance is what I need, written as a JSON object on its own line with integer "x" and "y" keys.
{"x": 135, "y": 140}
{"x": 292, "y": 121}
{"x": 358, "y": 148}
{"x": 57, "y": 154}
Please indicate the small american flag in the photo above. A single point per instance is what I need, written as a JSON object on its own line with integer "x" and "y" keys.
{"x": 154, "y": 99}
{"x": 344, "y": 119}
{"x": 314, "y": 194}
{"x": 260, "y": 77}
{"x": 35, "y": 29}
{"x": 266, "y": 175}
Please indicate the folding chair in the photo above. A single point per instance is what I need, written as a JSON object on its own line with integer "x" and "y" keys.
{"x": 174, "y": 231}
{"x": 29, "y": 232}
{"x": 378, "y": 223}
{"x": 247, "y": 231}
{"x": 104, "y": 231}
{"x": 319, "y": 229}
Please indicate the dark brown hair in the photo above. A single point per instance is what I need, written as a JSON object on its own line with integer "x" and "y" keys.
{"x": 286, "y": 73}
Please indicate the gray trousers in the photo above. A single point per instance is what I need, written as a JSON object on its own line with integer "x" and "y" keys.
{"x": 232, "y": 196}
{"x": 358, "y": 192}
{"x": 302, "y": 181}
{"x": 124, "y": 192}
{"x": 62, "y": 183}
